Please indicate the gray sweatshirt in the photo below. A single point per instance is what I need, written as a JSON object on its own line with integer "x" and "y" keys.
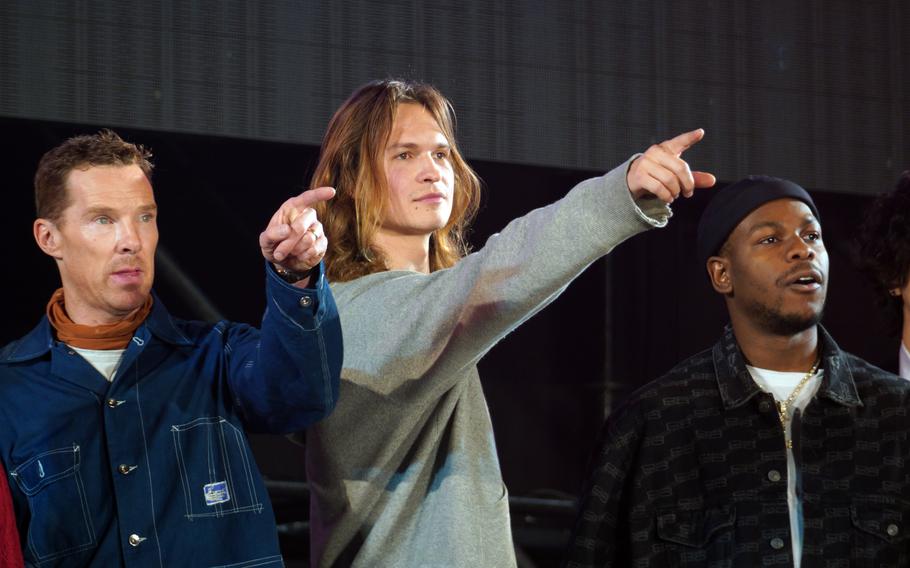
{"x": 404, "y": 473}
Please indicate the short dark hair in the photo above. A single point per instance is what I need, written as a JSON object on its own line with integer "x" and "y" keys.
{"x": 884, "y": 247}
{"x": 105, "y": 148}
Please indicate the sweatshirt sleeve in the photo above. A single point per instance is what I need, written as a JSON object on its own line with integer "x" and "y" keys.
{"x": 285, "y": 376}
{"x": 401, "y": 328}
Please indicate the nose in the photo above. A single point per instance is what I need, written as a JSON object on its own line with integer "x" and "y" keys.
{"x": 429, "y": 169}
{"x": 128, "y": 241}
{"x": 801, "y": 250}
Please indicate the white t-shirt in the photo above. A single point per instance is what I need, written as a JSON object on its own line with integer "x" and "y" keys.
{"x": 105, "y": 361}
{"x": 781, "y": 385}
{"x": 904, "y": 359}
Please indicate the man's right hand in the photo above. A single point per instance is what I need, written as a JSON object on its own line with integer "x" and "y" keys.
{"x": 294, "y": 239}
{"x": 662, "y": 172}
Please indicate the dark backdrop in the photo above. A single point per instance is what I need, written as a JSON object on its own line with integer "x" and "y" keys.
{"x": 549, "y": 384}
{"x": 624, "y": 321}
{"x": 216, "y": 194}
{"x": 815, "y": 90}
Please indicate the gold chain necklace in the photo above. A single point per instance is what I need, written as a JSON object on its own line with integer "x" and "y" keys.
{"x": 783, "y": 406}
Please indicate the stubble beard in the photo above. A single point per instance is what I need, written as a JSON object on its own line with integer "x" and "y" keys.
{"x": 776, "y": 322}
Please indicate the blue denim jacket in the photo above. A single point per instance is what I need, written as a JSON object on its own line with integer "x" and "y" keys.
{"x": 154, "y": 469}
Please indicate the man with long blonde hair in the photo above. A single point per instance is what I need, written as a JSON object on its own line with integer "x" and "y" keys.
{"x": 405, "y": 472}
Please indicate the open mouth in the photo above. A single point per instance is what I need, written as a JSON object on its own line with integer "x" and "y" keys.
{"x": 806, "y": 281}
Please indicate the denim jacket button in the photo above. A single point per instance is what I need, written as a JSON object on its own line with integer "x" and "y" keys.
{"x": 112, "y": 403}
{"x": 135, "y": 539}
{"x": 126, "y": 469}
{"x": 777, "y": 543}
{"x": 892, "y": 530}
{"x": 774, "y": 475}
{"x": 306, "y": 302}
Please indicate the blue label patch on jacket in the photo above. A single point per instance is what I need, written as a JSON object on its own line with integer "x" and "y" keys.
{"x": 216, "y": 493}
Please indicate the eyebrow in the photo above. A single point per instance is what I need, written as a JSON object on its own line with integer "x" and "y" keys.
{"x": 105, "y": 210}
{"x": 413, "y": 146}
{"x": 808, "y": 220}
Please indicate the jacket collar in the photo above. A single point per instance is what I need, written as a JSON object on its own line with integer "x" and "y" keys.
{"x": 737, "y": 386}
{"x": 40, "y": 340}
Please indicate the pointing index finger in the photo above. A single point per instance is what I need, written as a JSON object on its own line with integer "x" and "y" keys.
{"x": 679, "y": 144}
{"x": 312, "y": 196}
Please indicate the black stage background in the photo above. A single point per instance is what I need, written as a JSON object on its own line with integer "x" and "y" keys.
{"x": 549, "y": 384}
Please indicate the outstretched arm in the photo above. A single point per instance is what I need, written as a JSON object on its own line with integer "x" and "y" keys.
{"x": 285, "y": 377}
{"x": 401, "y": 326}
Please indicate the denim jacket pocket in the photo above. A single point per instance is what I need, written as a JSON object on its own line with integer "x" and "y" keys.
{"x": 693, "y": 537}
{"x": 216, "y": 468}
{"x": 882, "y": 536}
{"x": 60, "y": 521}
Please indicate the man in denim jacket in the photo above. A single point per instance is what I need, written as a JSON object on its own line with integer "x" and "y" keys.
{"x": 122, "y": 427}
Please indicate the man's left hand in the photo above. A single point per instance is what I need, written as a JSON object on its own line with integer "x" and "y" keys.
{"x": 662, "y": 172}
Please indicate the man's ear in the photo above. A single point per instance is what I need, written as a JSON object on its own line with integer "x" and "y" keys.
{"x": 47, "y": 235}
{"x": 719, "y": 273}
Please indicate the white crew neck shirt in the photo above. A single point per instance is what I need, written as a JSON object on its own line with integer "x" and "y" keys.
{"x": 904, "y": 362}
{"x": 106, "y": 361}
{"x": 781, "y": 385}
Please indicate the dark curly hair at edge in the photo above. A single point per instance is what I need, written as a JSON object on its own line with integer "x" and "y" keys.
{"x": 884, "y": 247}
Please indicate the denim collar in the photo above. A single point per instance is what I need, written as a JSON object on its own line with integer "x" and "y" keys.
{"x": 40, "y": 340}
{"x": 737, "y": 386}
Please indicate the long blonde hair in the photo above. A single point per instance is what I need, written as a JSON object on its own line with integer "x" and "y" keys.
{"x": 351, "y": 162}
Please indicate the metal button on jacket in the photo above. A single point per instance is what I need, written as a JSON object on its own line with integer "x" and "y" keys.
{"x": 774, "y": 475}
{"x": 892, "y": 530}
{"x": 306, "y": 302}
{"x": 777, "y": 543}
{"x": 126, "y": 469}
{"x": 135, "y": 539}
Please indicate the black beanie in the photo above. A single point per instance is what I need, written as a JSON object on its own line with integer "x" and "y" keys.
{"x": 733, "y": 203}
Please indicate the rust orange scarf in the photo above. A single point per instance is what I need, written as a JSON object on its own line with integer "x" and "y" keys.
{"x": 106, "y": 336}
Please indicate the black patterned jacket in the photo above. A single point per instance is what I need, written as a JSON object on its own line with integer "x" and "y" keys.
{"x": 692, "y": 470}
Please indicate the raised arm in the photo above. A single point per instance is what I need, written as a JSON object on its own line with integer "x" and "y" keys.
{"x": 401, "y": 326}
{"x": 285, "y": 377}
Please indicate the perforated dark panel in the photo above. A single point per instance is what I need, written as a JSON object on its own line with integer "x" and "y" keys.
{"x": 812, "y": 90}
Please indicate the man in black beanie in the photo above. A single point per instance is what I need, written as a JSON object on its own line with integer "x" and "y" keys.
{"x": 774, "y": 447}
